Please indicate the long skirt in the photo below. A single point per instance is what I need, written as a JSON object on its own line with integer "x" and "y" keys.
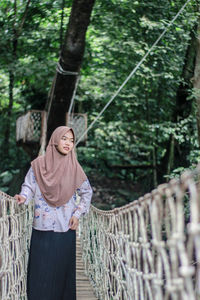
{"x": 52, "y": 266}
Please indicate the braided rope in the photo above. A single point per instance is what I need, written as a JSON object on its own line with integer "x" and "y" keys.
{"x": 61, "y": 71}
{"x": 147, "y": 249}
{"x": 15, "y": 232}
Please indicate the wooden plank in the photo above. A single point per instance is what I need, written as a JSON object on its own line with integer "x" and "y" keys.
{"x": 84, "y": 290}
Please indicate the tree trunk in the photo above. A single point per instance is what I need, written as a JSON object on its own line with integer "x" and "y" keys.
{"x": 11, "y": 79}
{"x": 176, "y": 155}
{"x": 16, "y": 34}
{"x": 183, "y": 107}
{"x": 155, "y": 179}
{"x": 9, "y": 111}
{"x": 196, "y": 82}
{"x": 70, "y": 60}
{"x": 171, "y": 155}
{"x": 61, "y": 24}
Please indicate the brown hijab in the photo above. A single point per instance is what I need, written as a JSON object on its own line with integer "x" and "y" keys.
{"x": 58, "y": 175}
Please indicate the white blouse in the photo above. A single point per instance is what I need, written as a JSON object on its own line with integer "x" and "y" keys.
{"x": 55, "y": 218}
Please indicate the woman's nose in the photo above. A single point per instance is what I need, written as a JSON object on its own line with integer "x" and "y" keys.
{"x": 67, "y": 142}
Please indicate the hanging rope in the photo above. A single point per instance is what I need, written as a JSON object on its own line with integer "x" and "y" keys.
{"x": 134, "y": 70}
{"x": 51, "y": 96}
{"x": 72, "y": 99}
{"x": 60, "y": 70}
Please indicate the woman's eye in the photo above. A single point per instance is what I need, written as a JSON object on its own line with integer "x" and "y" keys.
{"x": 64, "y": 139}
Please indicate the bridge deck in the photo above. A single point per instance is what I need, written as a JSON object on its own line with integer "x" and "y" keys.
{"x": 84, "y": 290}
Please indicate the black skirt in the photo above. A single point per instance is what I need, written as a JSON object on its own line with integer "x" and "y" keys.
{"x": 52, "y": 266}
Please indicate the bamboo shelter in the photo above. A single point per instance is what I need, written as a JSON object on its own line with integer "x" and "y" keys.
{"x": 31, "y": 131}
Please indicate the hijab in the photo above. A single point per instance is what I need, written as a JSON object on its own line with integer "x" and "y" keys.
{"x": 58, "y": 175}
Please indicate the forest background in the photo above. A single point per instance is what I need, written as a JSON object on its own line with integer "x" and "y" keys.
{"x": 149, "y": 134}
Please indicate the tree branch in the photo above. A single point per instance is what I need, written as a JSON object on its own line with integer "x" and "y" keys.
{"x": 23, "y": 18}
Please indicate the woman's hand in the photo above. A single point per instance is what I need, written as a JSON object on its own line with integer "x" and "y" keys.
{"x": 73, "y": 223}
{"x": 20, "y": 199}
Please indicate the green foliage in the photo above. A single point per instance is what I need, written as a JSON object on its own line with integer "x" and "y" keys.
{"x": 33, "y": 64}
{"x": 141, "y": 119}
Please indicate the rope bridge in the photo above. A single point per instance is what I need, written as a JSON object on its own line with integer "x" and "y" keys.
{"x": 148, "y": 249}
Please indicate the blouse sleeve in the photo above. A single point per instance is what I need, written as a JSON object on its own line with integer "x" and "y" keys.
{"x": 28, "y": 187}
{"x": 85, "y": 192}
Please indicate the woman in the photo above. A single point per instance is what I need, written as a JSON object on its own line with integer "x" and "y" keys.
{"x": 52, "y": 182}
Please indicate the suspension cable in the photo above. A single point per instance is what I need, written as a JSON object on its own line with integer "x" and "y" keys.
{"x": 133, "y": 71}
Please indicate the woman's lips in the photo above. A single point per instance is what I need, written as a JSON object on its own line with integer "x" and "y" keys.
{"x": 66, "y": 148}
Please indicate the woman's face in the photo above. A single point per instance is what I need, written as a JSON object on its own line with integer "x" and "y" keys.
{"x": 66, "y": 143}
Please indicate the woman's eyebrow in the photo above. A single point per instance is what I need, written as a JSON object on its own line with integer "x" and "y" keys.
{"x": 71, "y": 138}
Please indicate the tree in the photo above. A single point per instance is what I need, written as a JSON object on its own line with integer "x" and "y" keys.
{"x": 135, "y": 130}
{"x": 70, "y": 61}
{"x": 177, "y": 151}
{"x": 16, "y": 32}
{"x": 29, "y": 42}
{"x": 197, "y": 79}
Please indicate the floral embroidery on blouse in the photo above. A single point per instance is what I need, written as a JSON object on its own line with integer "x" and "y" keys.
{"x": 55, "y": 218}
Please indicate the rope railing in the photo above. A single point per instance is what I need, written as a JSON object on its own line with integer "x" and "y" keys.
{"x": 15, "y": 232}
{"x": 148, "y": 249}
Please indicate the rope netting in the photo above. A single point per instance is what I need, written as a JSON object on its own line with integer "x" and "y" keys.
{"x": 29, "y": 126}
{"x": 15, "y": 231}
{"x": 149, "y": 248}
